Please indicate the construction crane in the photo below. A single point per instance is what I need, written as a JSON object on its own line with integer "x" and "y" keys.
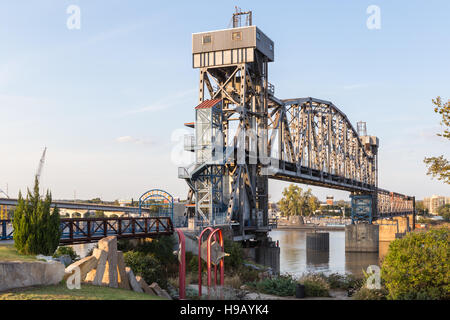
{"x": 41, "y": 165}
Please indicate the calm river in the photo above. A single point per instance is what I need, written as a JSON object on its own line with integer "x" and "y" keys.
{"x": 296, "y": 260}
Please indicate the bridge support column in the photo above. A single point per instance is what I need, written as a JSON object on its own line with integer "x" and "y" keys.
{"x": 362, "y": 237}
{"x": 265, "y": 253}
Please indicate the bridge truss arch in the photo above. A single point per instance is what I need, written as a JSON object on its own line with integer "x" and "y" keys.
{"x": 159, "y": 202}
{"x": 315, "y": 141}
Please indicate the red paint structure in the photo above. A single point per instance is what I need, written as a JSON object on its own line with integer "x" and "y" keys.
{"x": 182, "y": 264}
{"x": 213, "y": 234}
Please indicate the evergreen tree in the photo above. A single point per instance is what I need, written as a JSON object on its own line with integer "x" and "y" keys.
{"x": 36, "y": 230}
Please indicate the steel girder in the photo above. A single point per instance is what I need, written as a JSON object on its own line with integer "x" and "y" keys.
{"x": 315, "y": 143}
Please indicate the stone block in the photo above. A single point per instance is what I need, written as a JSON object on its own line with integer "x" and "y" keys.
{"x": 124, "y": 283}
{"x": 159, "y": 292}
{"x": 17, "y": 274}
{"x": 85, "y": 265}
{"x": 144, "y": 286}
{"x": 110, "y": 277}
{"x": 101, "y": 265}
{"x": 135, "y": 286}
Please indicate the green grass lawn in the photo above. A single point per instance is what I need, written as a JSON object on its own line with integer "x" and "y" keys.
{"x": 61, "y": 292}
{"x": 9, "y": 253}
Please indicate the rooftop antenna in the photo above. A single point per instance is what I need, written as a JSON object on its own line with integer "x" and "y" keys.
{"x": 237, "y": 18}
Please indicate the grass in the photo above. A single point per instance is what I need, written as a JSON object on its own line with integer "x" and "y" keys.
{"x": 87, "y": 292}
{"x": 9, "y": 253}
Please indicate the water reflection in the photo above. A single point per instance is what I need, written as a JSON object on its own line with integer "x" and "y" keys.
{"x": 296, "y": 260}
{"x": 317, "y": 260}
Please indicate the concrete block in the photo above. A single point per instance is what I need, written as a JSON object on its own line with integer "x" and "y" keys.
{"x": 124, "y": 283}
{"x": 132, "y": 279}
{"x": 159, "y": 292}
{"x": 85, "y": 265}
{"x": 101, "y": 265}
{"x": 17, "y": 274}
{"x": 145, "y": 286}
{"x": 110, "y": 277}
{"x": 362, "y": 237}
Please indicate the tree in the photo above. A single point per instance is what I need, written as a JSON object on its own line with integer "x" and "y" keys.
{"x": 416, "y": 266}
{"x": 439, "y": 167}
{"x": 296, "y": 202}
{"x": 420, "y": 208}
{"x": 444, "y": 212}
{"x": 36, "y": 230}
{"x": 99, "y": 214}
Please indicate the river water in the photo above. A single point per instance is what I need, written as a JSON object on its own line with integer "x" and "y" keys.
{"x": 296, "y": 260}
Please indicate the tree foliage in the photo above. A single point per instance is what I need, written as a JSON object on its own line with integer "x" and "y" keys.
{"x": 36, "y": 230}
{"x": 439, "y": 167}
{"x": 444, "y": 212}
{"x": 417, "y": 266}
{"x": 296, "y": 202}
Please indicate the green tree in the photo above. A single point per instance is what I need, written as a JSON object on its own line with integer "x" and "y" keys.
{"x": 439, "y": 167}
{"x": 444, "y": 212}
{"x": 99, "y": 214}
{"x": 295, "y": 201}
{"x": 420, "y": 208}
{"x": 417, "y": 266}
{"x": 36, "y": 230}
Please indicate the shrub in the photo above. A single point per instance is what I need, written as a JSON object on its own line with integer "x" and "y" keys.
{"x": 36, "y": 230}
{"x": 248, "y": 275}
{"x": 370, "y": 294}
{"x": 417, "y": 266}
{"x": 161, "y": 249}
{"x": 343, "y": 281}
{"x": 147, "y": 266}
{"x": 283, "y": 285}
{"x": 66, "y": 251}
{"x": 235, "y": 258}
{"x": 315, "y": 285}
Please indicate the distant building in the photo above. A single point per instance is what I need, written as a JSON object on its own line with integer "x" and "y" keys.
{"x": 330, "y": 200}
{"x": 434, "y": 202}
{"x": 125, "y": 203}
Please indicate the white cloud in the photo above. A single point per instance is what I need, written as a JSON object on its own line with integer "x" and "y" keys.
{"x": 130, "y": 139}
{"x": 166, "y": 102}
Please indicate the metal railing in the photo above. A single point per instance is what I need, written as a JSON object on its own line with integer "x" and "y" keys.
{"x": 82, "y": 230}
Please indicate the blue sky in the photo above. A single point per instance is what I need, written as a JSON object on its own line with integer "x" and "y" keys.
{"x": 106, "y": 99}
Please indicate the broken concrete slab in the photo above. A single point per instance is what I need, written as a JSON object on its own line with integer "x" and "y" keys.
{"x": 101, "y": 265}
{"x": 145, "y": 286}
{"x": 17, "y": 274}
{"x": 110, "y": 277}
{"x": 135, "y": 286}
{"x": 124, "y": 283}
{"x": 85, "y": 265}
{"x": 160, "y": 292}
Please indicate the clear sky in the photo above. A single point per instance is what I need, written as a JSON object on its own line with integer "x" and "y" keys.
{"x": 106, "y": 98}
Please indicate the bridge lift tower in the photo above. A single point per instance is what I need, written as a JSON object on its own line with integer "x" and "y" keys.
{"x": 227, "y": 181}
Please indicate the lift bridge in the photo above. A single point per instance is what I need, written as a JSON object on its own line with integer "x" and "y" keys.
{"x": 245, "y": 135}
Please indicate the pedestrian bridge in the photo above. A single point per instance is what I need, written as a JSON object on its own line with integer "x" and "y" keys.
{"x": 85, "y": 230}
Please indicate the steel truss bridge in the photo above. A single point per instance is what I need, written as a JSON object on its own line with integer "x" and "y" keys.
{"x": 84, "y": 230}
{"x": 245, "y": 135}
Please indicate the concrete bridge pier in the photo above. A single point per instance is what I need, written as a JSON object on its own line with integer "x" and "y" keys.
{"x": 362, "y": 237}
{"x": 265, "y": 252}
